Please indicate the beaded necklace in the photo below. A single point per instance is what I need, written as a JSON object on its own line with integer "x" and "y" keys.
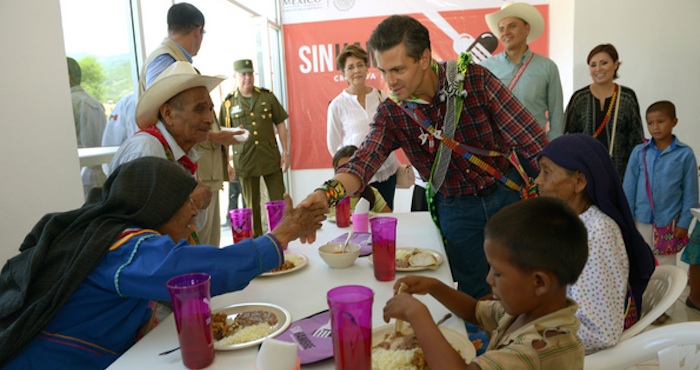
{"x": 608, "y": 113}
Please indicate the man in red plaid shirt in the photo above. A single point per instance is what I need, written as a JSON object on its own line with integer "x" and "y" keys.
{"x": 463, "y": 195}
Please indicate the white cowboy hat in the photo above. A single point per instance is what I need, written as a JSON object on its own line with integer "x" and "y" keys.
{"x": 524, "y": 11}
{"x": 178, "y": 77}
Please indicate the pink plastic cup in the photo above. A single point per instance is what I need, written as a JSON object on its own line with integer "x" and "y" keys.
{"x": 351, "y": 326}
{"x": 360, "y": 222}
{"x": 190, "y": 298}
{"x": 275, "y": 212}
{"x": 384, "y": 247}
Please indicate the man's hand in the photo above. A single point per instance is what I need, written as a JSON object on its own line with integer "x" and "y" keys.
{"x": 231, "y": 173}
{"x": 225, "y": 137}
{"x": 298, "y": 221}
{"x": 284, "y": 162}
{"x": 317, "y": 199}
{"x": 680, "y": 233}
{"x": 201, "y": 195}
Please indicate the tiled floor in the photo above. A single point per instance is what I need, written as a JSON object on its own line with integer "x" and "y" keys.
{"x": 679, "y": 312}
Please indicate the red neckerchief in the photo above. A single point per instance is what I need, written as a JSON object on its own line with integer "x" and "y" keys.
{"x": 185, "y": 161}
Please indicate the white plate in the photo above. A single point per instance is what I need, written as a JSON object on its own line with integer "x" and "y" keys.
{"x": 458, "y": 341}
{"x": 284, "y": 319}
{"x": 438, "y": 257}
{"x": 240, "y": 137}
{"x": 301, "y": 261}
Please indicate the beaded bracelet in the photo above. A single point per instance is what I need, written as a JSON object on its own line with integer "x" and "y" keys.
{"x": 335, "y": 191}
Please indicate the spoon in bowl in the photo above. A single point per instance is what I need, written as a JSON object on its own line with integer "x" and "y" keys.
{"x": 345, "y": 245}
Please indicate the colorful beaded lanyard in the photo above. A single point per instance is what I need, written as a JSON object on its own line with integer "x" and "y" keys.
{"x": 608, "y": 113}
{"x": 468, "y": 152}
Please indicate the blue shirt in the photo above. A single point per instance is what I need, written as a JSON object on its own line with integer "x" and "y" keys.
{"x": 160, "y": 63}
{"x": 100, "y": 320}
{"x": 673, "y": 177}
{"x": 539, "y": 87}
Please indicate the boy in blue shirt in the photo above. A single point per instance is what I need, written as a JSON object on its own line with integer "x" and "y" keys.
{"x": 663, "y": 171}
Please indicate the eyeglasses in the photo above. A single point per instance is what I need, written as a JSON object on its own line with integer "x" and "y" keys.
{"x": 201, "y": 25}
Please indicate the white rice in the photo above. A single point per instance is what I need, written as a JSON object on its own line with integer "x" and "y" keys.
{"x": 293, "y": 258}
{"x": 247, "y": 334}
{"x": 383, "y": 359}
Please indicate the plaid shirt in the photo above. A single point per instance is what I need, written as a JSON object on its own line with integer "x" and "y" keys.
{"x": 492, "y": 118}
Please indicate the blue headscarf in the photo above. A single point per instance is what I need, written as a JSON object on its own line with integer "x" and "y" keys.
{"x": 587, "y": 155}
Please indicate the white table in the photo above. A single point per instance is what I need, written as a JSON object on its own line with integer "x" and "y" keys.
{"x": 303, "y": 293}
{"x": 96, "y": 156}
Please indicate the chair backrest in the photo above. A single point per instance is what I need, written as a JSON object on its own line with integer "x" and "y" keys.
{"x": 676, "y": 347}
{"x": 666, "y": 285}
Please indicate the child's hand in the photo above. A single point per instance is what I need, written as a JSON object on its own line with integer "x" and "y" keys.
{"x": 416, "y": 284}
{"x": 680, "y": 233}
{"x": 404, "y": 307}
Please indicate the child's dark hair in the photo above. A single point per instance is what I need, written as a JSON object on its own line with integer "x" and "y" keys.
{"x": 347, "y": 152}
{"x": 542, "y": 234}
{"x": 663, "y": 106}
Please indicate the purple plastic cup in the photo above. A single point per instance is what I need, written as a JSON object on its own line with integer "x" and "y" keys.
{"x": 351, "y": 326}
{"x": 241, "y": 223}
{"x": 190, "y": 297}
{"x": 384, "y": 247}
{"x": 275, "y": 212}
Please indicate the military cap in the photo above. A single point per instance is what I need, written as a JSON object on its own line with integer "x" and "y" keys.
{"x": 243, "y": 66}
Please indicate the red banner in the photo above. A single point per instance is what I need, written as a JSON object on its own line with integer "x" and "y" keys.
{"x": 313, "y": 79}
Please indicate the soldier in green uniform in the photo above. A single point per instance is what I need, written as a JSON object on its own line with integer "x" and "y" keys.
{"x": 258, "y": 111}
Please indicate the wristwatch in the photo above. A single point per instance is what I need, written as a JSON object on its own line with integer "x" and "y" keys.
{"x": 285, "y": 153}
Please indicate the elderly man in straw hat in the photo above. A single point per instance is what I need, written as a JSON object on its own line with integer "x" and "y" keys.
{"x": 532, "y": 78}
{"x": 185, "y": 37}
{"x": 178, "y": 113}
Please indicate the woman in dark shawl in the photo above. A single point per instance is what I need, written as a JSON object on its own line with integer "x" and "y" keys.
{"x": 80, "y": 289}
{"x": 577, "y": 169}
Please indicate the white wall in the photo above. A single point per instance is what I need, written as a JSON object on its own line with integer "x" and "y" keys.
{"x": 40, "y": 161}
{"x": 651, "y": 37}
{"x": 39, "y": 151}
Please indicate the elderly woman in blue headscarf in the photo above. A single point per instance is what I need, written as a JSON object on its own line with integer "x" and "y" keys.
{"x": 577, "y": 168}
{"x": 80, "y": 290}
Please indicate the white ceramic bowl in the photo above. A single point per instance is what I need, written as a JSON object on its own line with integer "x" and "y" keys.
{"x": 330, "y": 253}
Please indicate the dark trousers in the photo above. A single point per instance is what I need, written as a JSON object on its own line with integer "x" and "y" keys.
{"x": 419, "y": 203}
{"x": 234, "y": 190}
{"x": 251, "y": 193}
{"x": 387, "y": 188}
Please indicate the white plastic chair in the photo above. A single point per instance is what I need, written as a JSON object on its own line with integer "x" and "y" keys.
{"x": 675, "y": 346}
{"x": 665, "y": 286}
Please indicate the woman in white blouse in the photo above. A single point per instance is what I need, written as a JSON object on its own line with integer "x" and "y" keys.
{"x": 577, "y": 169}
{"x": 351, "y": 112}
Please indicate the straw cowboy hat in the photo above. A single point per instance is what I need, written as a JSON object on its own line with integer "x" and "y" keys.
{"x": 178, "y": 77}
{"x": 524, "y": 11}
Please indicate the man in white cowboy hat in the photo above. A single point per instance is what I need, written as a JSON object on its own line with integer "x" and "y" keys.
{"x": 185, "y": 36}
{"x": 532, "y": 78}
{"x": 178, "y": 113}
